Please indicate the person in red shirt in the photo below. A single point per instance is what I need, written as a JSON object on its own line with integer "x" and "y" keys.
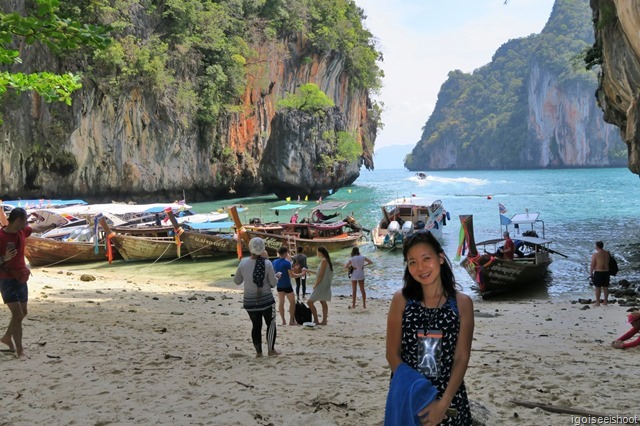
{"x": 619, "y": 343}
{"x": 509, "y": 247}
{"x": 13, "y": 276}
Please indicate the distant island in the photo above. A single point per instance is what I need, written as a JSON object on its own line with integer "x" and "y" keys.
{"x": 391, "y": 157}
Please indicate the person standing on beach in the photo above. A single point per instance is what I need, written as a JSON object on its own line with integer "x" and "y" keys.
{"x": 283, "y": 266}
{"x": 259, "y": 278}
{"x": 357, "y": 262}
{"x": 14, "y": 275}
{"x": 301, "y": 260}
{"x": 430, "y": 328}
{"x": 509, "y": 248}
{"x": 599, "y": 272}
{"x": 322, "y": 287}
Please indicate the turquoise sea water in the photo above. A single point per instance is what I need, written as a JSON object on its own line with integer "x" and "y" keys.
{"x": 578, "y": 206}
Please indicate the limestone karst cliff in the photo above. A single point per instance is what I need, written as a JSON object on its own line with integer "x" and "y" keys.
{"x": 617, "y": 51}
{"x": 132, "y": 142}
{"x": 533, "y": 106}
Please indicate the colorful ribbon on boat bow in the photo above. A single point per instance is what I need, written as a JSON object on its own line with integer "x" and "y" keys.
{"x": 178, "y": 231}
{"x": 109, "y": 248}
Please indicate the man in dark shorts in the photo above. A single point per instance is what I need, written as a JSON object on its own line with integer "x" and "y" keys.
{"x": 599, "y": 271}
{"x": 13, "y": 277}
{"x": 283, "y": 265}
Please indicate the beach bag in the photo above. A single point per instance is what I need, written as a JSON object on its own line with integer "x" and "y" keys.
{"x": 613, "y": 265}
{"x": 303, "y": 313}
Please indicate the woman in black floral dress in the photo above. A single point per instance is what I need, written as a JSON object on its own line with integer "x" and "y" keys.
{"x": 430, "y": 313}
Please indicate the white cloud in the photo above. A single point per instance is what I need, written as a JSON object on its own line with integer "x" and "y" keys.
{"x": 422, "y": 40}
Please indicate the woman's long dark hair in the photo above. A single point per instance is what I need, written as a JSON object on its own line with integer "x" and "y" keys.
{"x": 325, "y": 253}
{"x": 412, "y": 289}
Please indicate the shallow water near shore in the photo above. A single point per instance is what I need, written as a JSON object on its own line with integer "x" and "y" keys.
{"x": 578, "y": 206}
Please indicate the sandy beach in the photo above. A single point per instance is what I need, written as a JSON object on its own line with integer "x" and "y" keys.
{"x": 130, "y": 350}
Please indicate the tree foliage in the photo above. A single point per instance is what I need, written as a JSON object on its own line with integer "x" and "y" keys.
{"x": 310, "y": 99}
{"x": 59, "y": 33}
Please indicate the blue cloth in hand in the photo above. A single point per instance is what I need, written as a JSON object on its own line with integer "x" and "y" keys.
{"x": 409, "y": 393}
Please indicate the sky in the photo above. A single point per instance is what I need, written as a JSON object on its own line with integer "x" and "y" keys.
{"x": 422, "y": 40}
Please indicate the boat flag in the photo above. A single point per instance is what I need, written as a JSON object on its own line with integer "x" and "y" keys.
{"x": 502, "y": 208}
{"x": 504, "y": 220}
{"x": 306, "y": 198}
{"x": 288, "y": 199}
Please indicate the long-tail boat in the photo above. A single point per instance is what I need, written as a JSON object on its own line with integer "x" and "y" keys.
{"x": 82, "y": 245}
{"x": 207, "y": 239}
{"x": 492, "y": 272}
{"x": 310, "y": 235}
{"x": 145, "y": 243}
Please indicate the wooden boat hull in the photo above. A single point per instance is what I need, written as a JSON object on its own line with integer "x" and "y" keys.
{"x": 206, "y": 245}
{"x": 135, "y": 248}
{"x": 495, "y": 275}
{"x": 49, "y": 252}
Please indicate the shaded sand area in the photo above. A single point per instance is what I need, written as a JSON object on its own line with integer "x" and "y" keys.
{"x": 130, "y": 350}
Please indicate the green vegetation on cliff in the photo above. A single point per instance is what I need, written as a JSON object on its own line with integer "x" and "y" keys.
{"x": 483, "y": 116}
{"x": 310, "y": 100}
{"x": 214, "y": 40}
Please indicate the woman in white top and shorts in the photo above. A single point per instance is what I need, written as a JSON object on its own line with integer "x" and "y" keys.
{"x": 356, "y": 265}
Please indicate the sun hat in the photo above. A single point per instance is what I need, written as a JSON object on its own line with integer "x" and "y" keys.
{"x": 256, "y": 246}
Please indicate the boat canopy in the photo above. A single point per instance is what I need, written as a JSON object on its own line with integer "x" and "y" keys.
{"x": 525, "y": 218}
{"x": 411, "y": 201}
{"x": 121, "y": 209}
{"x": 288, "y": 207}
{"x": 205, "y": 226}
{"x": 42, "y": 203}
{"x": 529, "y": 240}
{"x": 531, "y": 220}
{"x": 332, "y": 205}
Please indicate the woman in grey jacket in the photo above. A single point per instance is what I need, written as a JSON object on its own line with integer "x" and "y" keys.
{"x": 259, "y": 278}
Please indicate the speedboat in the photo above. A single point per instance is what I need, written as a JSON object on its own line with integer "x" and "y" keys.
{"x": 403, "y": 216}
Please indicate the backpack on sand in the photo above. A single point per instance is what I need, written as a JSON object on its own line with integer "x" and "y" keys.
{"x": 613, "y": 265}
{"x": 303, "y": 313}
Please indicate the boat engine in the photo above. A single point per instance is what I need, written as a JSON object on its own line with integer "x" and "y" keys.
{"x": 394, "y": 227}
{"x": 407, "y": 227}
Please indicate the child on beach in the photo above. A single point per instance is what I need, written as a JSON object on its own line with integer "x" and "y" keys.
{"x": 430, "y": 329}
{"x": 357, "y": 262}
{"x": 619, "y": 343}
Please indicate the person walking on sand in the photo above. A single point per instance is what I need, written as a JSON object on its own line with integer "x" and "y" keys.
{"x": 430, "y": 329}
{"x": 599, "y": 272}
{"x": 357, "y": 262}
{"x": 322, "y": 287}
{"x": 283, "y": 266}
{"x": 14, "y": 275}
{"x": 259, "y": 278}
